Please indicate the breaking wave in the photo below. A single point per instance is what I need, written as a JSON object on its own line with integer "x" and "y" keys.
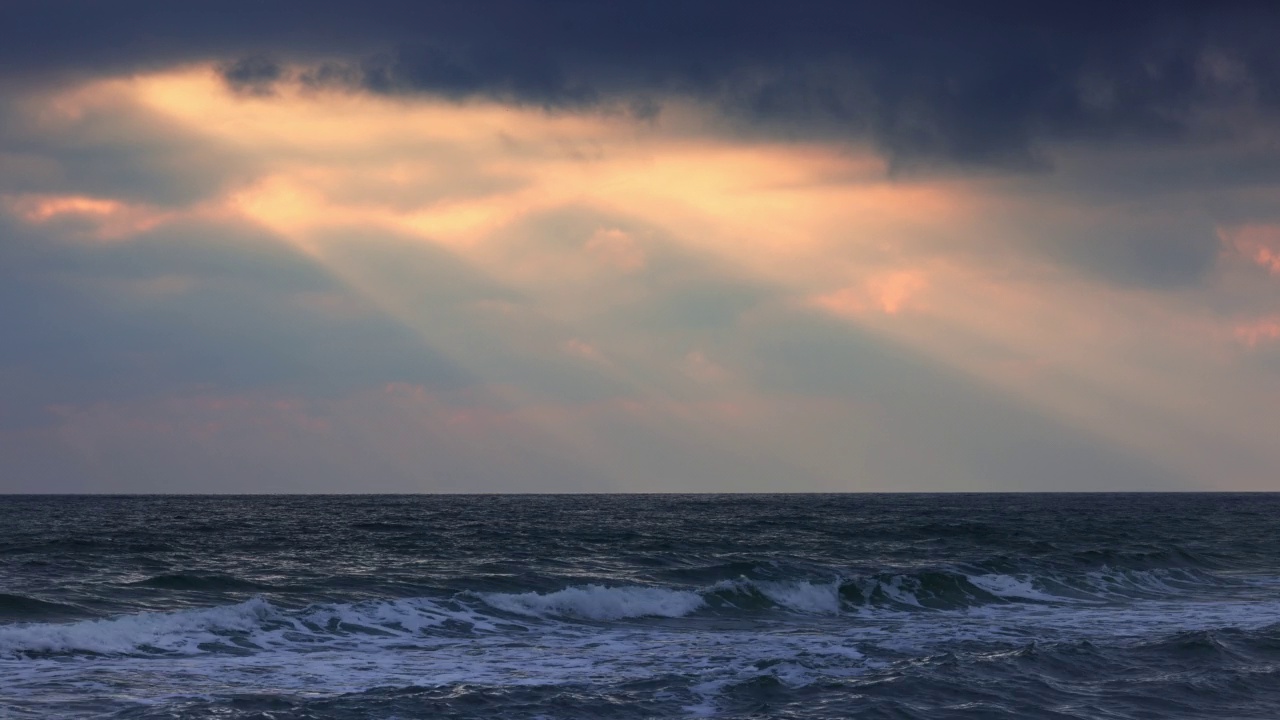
{"x": 596, "y": 602}
{"x": 257, "y": 624}
{"x": 183, "y": 631}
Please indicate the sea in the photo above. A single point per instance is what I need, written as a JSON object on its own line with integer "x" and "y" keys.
{"x": 886, "y": 606}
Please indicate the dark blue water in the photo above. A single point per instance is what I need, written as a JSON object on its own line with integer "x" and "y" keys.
{"x": 875, "y": 606}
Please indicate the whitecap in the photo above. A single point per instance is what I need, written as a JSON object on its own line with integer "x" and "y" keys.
{"x": 599, "y": 602}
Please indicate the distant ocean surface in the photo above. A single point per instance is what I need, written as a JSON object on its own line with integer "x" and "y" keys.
{"x": 767, "y": 606}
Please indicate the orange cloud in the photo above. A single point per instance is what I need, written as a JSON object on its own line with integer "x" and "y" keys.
{"x": 893, "y": 291}
{"x": 1260, "y": 244}
{"x": 103, "y": 218}
{"x": 888, "y": 293}
{"x": 617, "y": 249}
{"x": 1258, "y": 333}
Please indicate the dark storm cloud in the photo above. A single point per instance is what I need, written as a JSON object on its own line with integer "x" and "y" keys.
{"x": 253, "y": 75}
{"x": 974, "y": 83}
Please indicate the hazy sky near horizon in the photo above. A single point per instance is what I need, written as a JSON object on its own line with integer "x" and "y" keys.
{"x": 580, "y": 246}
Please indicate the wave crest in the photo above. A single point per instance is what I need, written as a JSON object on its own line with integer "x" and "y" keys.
{"x": 257, "y": 624}
{"x": 598, "y": 602}
{"x": 182, "y": 631}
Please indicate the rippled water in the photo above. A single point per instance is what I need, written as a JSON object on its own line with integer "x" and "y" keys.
{"x": 876, "y": 606}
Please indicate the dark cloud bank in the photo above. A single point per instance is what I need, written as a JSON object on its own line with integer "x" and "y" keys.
{"x": 970, "y": 83}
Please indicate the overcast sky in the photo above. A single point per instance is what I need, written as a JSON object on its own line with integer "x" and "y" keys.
{"x": 619, "y": 246}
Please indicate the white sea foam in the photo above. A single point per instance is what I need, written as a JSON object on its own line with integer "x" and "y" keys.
{"x": 1159, "y": 581}
{"x": 253, "y": 624}
{"x": 344, "y": 648}
{"x": 901, "y": 590}
{"x": 180, "y": 631}
{"x": 256, "y": 624}
{"x": 598, "y": 602}
{"x": 798, "y": 595}
{"x": 405, "y": 615}
{"x": 803, "y": 596}
{"x": 1009, "y": 586}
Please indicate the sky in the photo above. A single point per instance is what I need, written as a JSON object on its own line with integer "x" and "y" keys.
{"x": 393, "y": 246}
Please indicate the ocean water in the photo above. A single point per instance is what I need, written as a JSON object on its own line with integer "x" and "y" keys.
{"x": 769, "y": 606}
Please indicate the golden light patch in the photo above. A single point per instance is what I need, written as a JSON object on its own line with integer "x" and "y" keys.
{"x": 39, "y": 209}
{"x": 888, "y": 293}
{"x": 286, "y": 206}
{"x": 102, "y": 218}
{"x": 794, "y": 213}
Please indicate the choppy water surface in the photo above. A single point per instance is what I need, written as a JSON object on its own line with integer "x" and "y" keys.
{"x": 876, "y": 606}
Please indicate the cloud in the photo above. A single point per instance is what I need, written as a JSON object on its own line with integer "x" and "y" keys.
{"x": 97, "y": 142}
{"x": 1259, "y": 244}
{"x": 616, "y": 248}
{"x": 1149, "y": 246}
{"x": 1258, "y": 332}
{"x": 912, "y": 422}
{"x": 189, "y": 305}
{"x": 925, "y": 82}
{"x": 1135, "y": 214}
{"x": 613, "y": 301}
{"x": 252, "y": 75}
{"x": 890, "y": 292}
{"x": 703, "y": 369}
